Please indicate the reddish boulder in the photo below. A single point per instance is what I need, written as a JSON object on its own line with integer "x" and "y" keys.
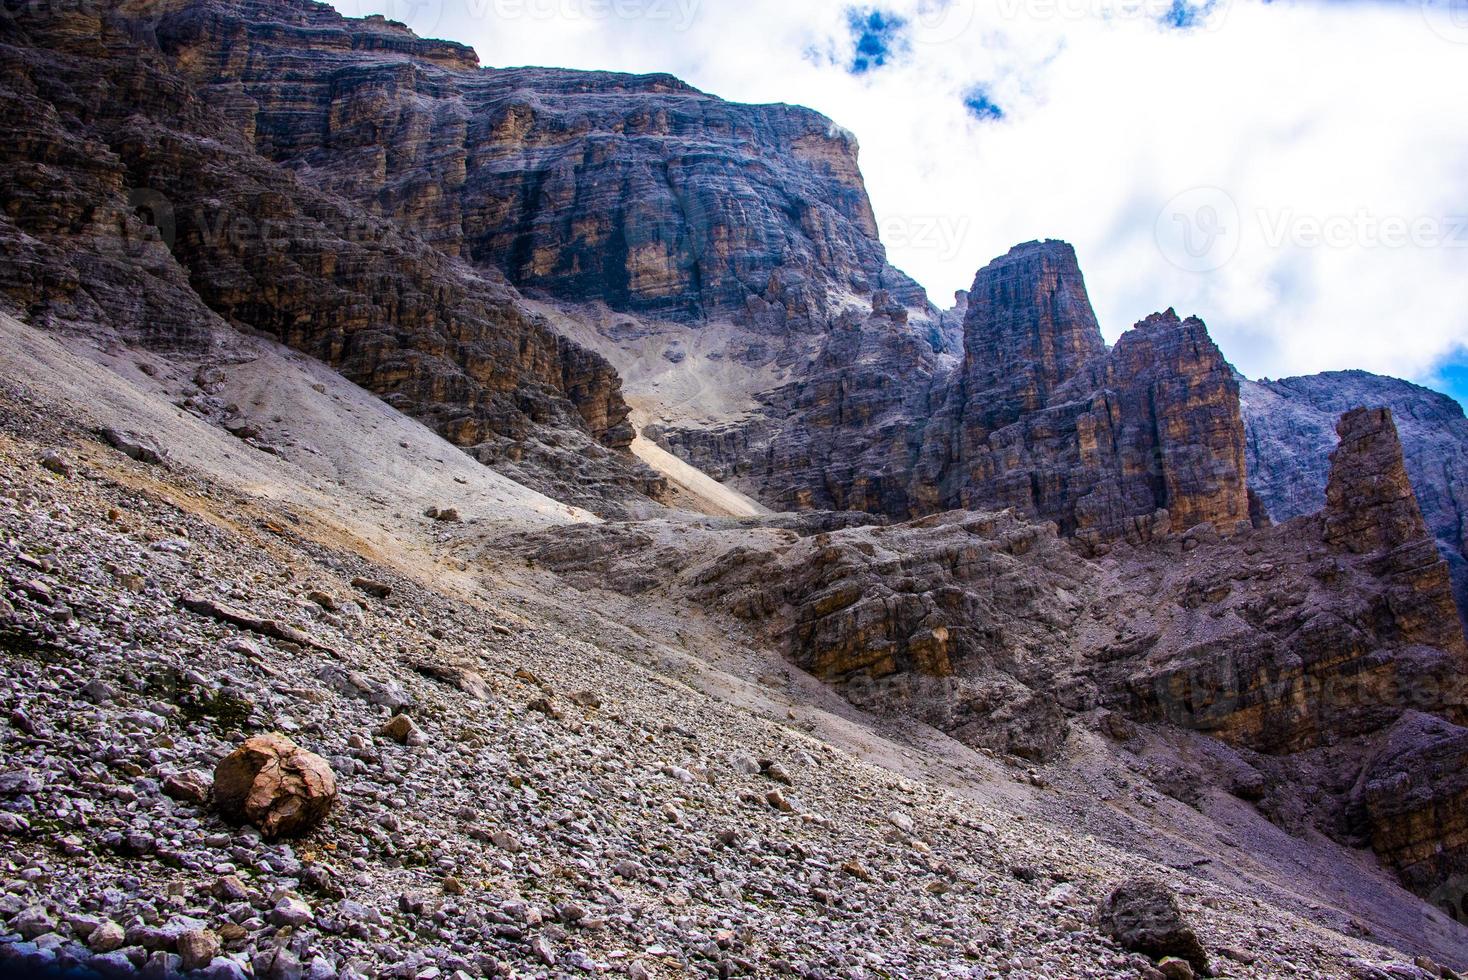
{"x": 276, "y": 785}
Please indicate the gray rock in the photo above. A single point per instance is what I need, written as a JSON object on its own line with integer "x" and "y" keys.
{"x": 33, "y": 922}
{"x": 144, "y": 449}
{"x": 58, "y": 462}
{"x": 20, "y": 783}
{"x": 277, "y": 963}
{"x": 1142, "y": 915}
{"x": 98, "y": 692}
{"x": 114, "y": 964}
{"x": 291, "y": 912}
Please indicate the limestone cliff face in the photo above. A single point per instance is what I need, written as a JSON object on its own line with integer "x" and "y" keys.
{"x": 135, "y": 206}
{"x": 1324, "y": 652}
{"x": 1291, "y": 434}
{"x": 1028, "y": 329}
{"x": 1369, "y": 504}
{"x": 1127, "y": 443}
{"x": 1108, "y": 444}
{"x": 639, "y": 191}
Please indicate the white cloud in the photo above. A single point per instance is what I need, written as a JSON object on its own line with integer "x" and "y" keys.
{"x": 1334, "y": 132}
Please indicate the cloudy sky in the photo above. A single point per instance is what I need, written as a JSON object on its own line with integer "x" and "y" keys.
{"x": 1296, "y": 173}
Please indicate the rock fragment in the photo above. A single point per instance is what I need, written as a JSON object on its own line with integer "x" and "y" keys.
{"x": 1143, "y": 916}
{"x": 272, "y": 783}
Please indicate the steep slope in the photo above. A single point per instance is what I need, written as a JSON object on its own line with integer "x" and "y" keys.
{"x": 584, "y": 790}
{"x": 135, "y": 206}
{"x": 1291, "y": 434}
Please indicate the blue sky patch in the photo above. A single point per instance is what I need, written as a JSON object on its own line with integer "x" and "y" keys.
{"x": 877, "y": 38}
{"x": 981, "y": 106}
{"x": 1452, "y": 379}
{"x": 1184, "y": 15}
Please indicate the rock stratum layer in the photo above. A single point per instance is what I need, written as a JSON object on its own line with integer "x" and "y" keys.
{"x": 639, "y": 191}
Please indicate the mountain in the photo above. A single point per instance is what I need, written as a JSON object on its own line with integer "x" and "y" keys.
{"x": 1291, "y": 434}
{"x": 141, "y": 205}
{"x": 365, "y": 412}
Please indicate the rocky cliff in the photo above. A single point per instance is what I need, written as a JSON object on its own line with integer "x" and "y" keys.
{"x": 1108, "y": 444}
{"x": 1311, "y": 649}
{"x": 1040, "y": 415}
{"x": 639, "y": 191}
{"x": 140, "y": 204}
{"x": 1291, "y": 433}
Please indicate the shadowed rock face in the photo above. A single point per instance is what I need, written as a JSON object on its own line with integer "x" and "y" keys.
{"x": 1029, "y": 328}
{"x": 1369, "y": 504}
{"x": 1040, "y": 416}
{"x": 1291, "y": 433}
{"x": 1415, "y": 801}
{"x": 1043, "y": 418}
{"x": 139, "y": 204}
{"x": 639, "y": 191}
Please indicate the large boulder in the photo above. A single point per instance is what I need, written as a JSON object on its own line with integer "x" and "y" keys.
{"x": 276, "y": 785}
{"x": 1142, "y": 915}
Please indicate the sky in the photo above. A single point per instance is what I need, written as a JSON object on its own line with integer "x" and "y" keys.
{"x": 1295, "y": 173}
